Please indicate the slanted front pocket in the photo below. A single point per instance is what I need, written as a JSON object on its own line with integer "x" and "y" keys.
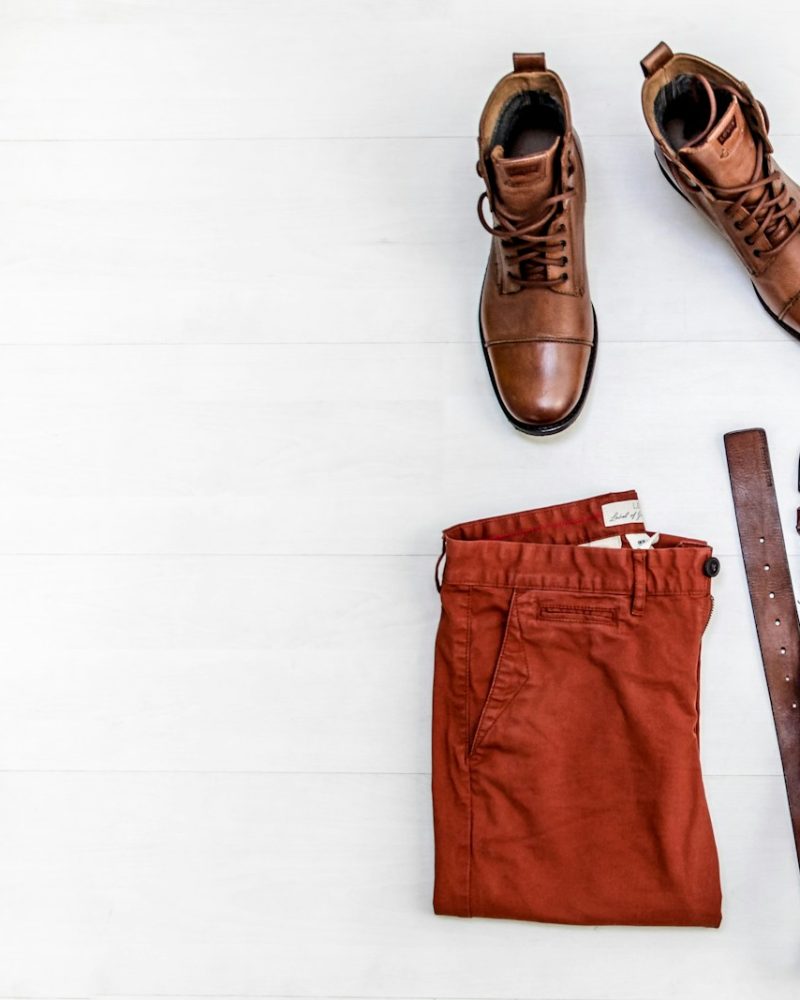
{"x": 511, "y": 669}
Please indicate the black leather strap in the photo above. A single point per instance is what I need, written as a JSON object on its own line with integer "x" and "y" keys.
{"x": 772, "y": 596}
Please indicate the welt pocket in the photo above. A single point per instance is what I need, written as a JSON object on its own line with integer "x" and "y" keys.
{"x": 578, "y": 614}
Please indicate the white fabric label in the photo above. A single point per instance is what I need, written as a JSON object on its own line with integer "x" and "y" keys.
{"x": 613, "y": 542}
{"x": 641, "y": 540}
{"x": 622, "y": 512}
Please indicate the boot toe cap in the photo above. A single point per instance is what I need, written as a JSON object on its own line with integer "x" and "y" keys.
{"x": 541, "y": 384}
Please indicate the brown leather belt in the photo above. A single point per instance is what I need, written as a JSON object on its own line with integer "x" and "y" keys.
{"x": 771, "y": 595}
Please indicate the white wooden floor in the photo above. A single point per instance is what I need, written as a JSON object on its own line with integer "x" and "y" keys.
{"x": 240, "y": 394}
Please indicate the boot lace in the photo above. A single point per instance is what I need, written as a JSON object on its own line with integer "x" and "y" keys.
{"x": 770, "y": 215}
{"x": 528, "y": 247}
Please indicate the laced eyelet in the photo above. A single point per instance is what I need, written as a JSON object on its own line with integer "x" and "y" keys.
{"x": 756, "y": 253}
{"x": 564, "y": 278}
{"x": 563, "y": 243}
{"x": 748, "y": 241}
{"x": 563, "y": 261}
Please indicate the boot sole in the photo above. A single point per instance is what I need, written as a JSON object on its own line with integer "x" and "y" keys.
{"x": 543, "y": 430}
{"x": 781, "y": 324}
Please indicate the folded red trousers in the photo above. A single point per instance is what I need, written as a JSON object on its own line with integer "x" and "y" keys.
{"x": 566, "y": 771}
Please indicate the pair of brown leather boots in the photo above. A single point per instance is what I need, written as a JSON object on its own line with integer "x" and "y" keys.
{"x": 538, "y": 326}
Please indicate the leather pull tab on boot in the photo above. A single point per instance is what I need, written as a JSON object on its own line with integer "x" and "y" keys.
{"x": 529, "y": 62}
{"x": 654, "y": 60}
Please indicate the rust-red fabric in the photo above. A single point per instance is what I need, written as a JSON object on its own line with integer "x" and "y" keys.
{"x": 566, "y": 772}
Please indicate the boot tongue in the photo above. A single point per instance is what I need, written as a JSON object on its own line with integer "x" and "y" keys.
{"x": 725, "y": 156}
{"x": 523, "y": 182}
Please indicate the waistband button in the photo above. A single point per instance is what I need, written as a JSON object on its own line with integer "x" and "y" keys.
{"x": 711, "y": 566}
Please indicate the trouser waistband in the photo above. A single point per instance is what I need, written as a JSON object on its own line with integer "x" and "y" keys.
{"x": 548, "y": 548}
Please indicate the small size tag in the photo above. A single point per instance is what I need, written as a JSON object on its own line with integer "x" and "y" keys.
{"x": 641, "y": 540}
{"x": 727, "y": 132}
{"x": 612, "y": 542}
{"x": 622, "y": 512}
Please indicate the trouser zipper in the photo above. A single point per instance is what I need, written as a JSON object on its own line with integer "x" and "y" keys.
{"x": 710, "y": 616}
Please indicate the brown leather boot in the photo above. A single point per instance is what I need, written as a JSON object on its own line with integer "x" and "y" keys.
{"x": 712, "y": 146}
{"x": 537, "y": 323}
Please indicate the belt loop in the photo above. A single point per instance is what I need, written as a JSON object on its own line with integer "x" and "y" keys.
{"x": 639, "y": 582}
{"x": 436, "y": 579}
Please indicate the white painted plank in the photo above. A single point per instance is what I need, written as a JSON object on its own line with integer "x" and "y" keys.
{"x": 330, "y": 241}
{"x": 151, "y": 603}
{"x": 221, "y": 711}
{"x": 271, "y": 446}
{"x": 362, "y": 449}
{"x": 300, "y": 885}
{"x": 220, "y": 664}
{"x": 204, "y": 68}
